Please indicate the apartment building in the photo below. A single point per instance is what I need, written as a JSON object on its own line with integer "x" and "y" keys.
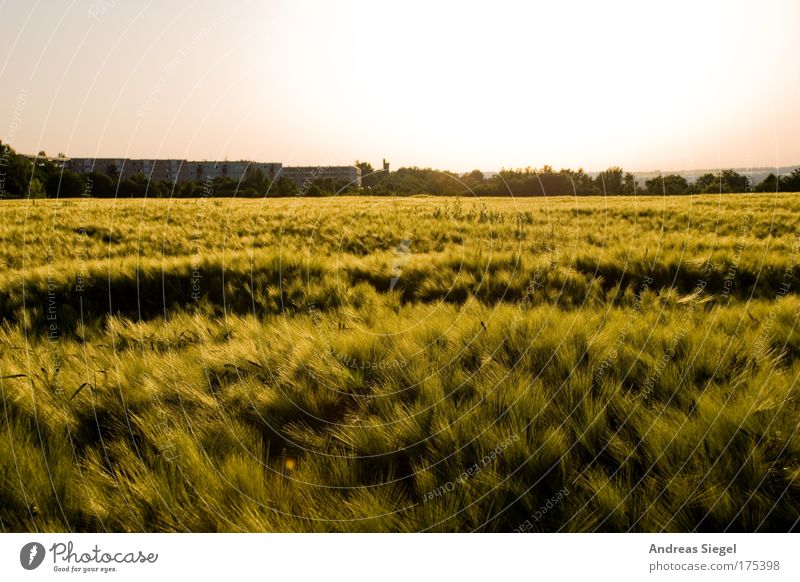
{"x": 173, "y": 170}
{"x": 176, "y": 170}
{"x": 304, "y": 176}
{"x": 200, "y": 171}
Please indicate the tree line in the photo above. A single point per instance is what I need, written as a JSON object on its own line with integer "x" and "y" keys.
{"x": 23, "y": 177}
{"x": 565, "y": 182}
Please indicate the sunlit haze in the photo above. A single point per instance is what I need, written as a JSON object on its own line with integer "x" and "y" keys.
{"x": 450, "y": 85}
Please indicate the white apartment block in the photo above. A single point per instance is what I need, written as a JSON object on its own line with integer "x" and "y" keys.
{"x": 173, "y": 170}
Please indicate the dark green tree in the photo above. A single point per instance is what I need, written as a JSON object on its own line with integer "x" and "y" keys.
{"x": 283, "y": 187}
{"x": 726, "y": 181}
{"x": 669, "y": 185}
{"x": 706, "y": 184}
{"x": 584, "y": 184}
{"x": 791, "y": 183}
{"x": 224, "y": 186}
{"x": 133, "y": 187}
{"x": 314, "y": 191}
{"x": 102, "y": 186}
{"x": 629, "y": 184}
{"x": 16, "y": 173}
{"x": 472, "y": 179}
{"x": 187, "y": 190}
{"x": 734, "y": 182}
{"x": 64, "y": 184}
{"x": 768, "y": 184}
{"x": 610, "y": 182}
{"x": 36, "y": 189}
{"x": 254, "y": 179}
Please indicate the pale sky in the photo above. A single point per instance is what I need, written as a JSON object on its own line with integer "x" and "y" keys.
{"x": 449, "y": 85}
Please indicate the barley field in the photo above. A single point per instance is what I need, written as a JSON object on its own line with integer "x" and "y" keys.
{"x": 401, "y": 364}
